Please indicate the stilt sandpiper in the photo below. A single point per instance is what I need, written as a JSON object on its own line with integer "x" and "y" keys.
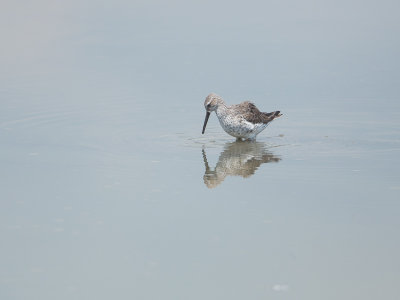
{"x": 243, "y": 121}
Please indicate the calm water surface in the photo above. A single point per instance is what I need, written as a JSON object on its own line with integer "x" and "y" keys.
{"x": 109, "y": 190}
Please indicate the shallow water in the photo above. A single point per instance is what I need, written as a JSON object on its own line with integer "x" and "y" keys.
{"x": 109, "y": 189}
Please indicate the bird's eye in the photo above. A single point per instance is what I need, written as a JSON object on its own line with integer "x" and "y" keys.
{"x": 208, "y": 105}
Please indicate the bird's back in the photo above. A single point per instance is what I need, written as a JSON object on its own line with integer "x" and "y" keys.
{"x": 252, "y": 114}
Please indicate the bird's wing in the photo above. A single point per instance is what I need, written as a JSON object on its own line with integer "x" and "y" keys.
{"x": 251, "y": 113}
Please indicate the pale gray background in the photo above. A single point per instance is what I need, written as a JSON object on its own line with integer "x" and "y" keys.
{"x": 102, "y": 193}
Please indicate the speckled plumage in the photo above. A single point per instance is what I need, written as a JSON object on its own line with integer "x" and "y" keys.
{"x": 243, "y": 121}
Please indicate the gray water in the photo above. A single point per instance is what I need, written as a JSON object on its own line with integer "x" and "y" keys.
{"x": 109, "y": 190}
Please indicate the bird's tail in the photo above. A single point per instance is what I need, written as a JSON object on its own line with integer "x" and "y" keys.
{"x": 272, "y": 115}
{"x": 277, "y": 114}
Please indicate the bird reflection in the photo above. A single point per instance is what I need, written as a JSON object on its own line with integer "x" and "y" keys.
{"x": 240, "y": 158}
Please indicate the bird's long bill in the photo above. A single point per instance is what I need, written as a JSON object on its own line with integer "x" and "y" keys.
{"x": 205, "y": 121}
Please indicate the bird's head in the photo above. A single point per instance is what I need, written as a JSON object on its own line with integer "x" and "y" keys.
{"x": 212, "y": 101}
{"x": 211, "y": 104}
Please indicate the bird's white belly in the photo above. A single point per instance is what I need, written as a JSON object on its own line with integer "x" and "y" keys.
{"x": 240, "y": 128}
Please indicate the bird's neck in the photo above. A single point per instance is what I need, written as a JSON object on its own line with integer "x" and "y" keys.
{"x": 221, "y": 109}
